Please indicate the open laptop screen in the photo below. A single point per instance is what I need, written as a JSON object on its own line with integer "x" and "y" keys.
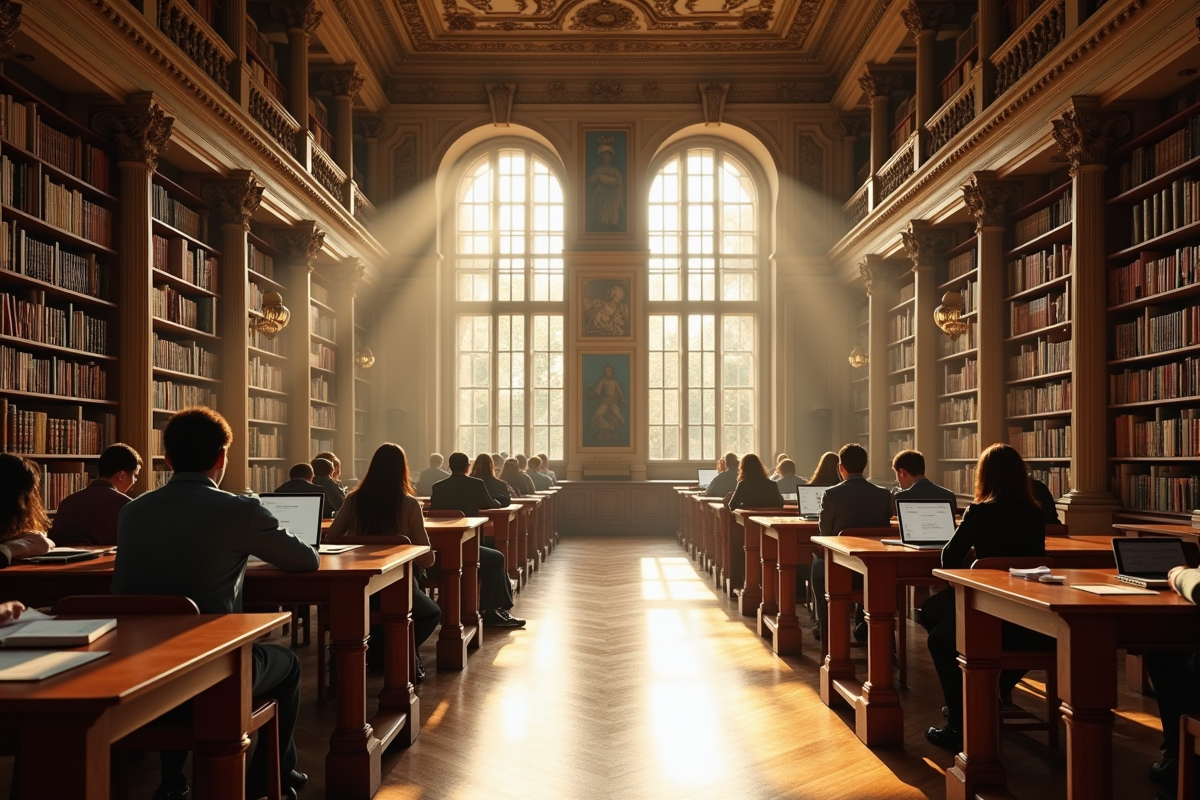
{"x": 299, "y": 513}
{"x": 925, "y": 521}
{"x": 808, "y": 498}
{"x": 1150, "y": 557}
{"x": 705, "y": 476}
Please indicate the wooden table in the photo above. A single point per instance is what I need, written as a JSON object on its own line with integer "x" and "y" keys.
{"x": 1133, "y": 529}
{"x": 701, "y": 547}
{"x": 533, "y": 553}
{"x": 879, "y": 719}
{"x": 67, "y": 723}
{"x": 687, "y": 519}
{"x": 457, "y": 544}
{"x": 1089, "y": 629}
{"x": 745, "y": 560}
{"x": 503, "y": 525}
{"x": 549, "y": 518}
{"x": 785, "y": 543}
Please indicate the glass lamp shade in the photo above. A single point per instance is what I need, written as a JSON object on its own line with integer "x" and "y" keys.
{"x": 858, "y": 358}
{"x": 948, "y": 315}
{"x": 364, "y": 357}
{"x": 275, "y": 315}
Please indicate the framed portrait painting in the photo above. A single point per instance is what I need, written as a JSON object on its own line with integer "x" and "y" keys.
{"x": 606, "y": 187}
{"x": 606, "y": 420}
{"x": 606, "y": 305}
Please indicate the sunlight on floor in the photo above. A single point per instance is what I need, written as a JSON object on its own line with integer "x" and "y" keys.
{"x": 685, "y": 729}
{"x": 673, "y": 579}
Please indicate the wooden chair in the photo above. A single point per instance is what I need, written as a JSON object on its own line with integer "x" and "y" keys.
{"x": 158, "y": 735}
{"x": 1033, "y": 660}
{"x": 1189, "y": 748}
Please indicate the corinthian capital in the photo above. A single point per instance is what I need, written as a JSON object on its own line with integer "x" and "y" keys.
{"x": 1085, "y": 135}
{"x": 990, "y": 201}
{"x": 348, "y": 274}
{"x": 878, "y": 82}
{"x": 235, "y": 200}
{"x": 924, "y": 244}
{"x": 10, "y": 22}
{"x": 343, "y": 81}
{"x": 367, "y": 127}
{"x": 301, "y": 243}
{"x": 853, "y": 127}
{"x": 139, "y": 132}
{"x": 877, "y": 275}
{"x": 923, "y": 15}
{"x": 302, "y": 14}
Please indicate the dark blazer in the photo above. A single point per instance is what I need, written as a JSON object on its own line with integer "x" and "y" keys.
{"x": 89, "y": 516}
{"x": 925, "y": 489}
{"x": 1041, "y": 493}
{"x": 428, "y": 477}
{"x": 723, "y": 484}
{"x": 500, "y": 491}
{"x": 756, "y": 493}
{"x": 996, "y": 530}
{"x": 461, "y": 492}
{"x": 335, "y": 495}
{"x": 855, "y": 503}
{"x": 298, "y": 486}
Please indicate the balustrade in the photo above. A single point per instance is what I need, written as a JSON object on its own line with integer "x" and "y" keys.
{"x": 952, "y": 117}
{"x": 186, "y": 27}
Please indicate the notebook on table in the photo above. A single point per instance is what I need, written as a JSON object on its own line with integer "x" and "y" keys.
{"x": 808, "y": 501}
{"x": 1146, "y": 561}
{"x": 301, "y": 514}
{"x": 56, "y": 632}
{"x": 924, "y": 524}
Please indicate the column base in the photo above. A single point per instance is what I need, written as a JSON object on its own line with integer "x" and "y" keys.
{"x": 1088, "y": 513}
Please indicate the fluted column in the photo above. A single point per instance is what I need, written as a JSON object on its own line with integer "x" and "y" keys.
{"x": 301, "y": 18}
{"x": 347, "y": 277}
{"x": 923, "y": 19}
{"x": 925, "y": 246}
{"x": 991, "y": 36}
{"x": 1084, "y": 136}
{"x": 368, "y": 128}
{"x": 140, "y": 132}
{"x": 234, "y": 201}
{"x": 234, "y": 32}
{"x": 991, "y": 202}
{"x": 299, "y": 247}
{"x": 878, "y": 85}
{"x": 851, "y": 128}
{"x": 345, "y": 85}
{"x": 880, "y": 280}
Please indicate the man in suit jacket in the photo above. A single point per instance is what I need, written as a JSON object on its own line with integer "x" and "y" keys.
{"x": 324, "y": 482}
{"x": 726, "y": 480}
{"x": 300, "y": 481}
{"x": 431, "y": 475}
{"x": 191, "y": 538}
{"x": 788, "y": 480}
{"x": 89, "y": 516}
{"x": 541, "y": 481}
{"x": 461, "y": 492}
{"x": 909, "y": 466}
{"x": 853, "y": 503}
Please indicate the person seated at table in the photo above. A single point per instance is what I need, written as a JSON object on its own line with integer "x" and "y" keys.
{"x": 300, "y": 480}
{"x": 23, "y": 522}
{"x": 485, "y": 470}
{"x": 324, "y": 483}
{"x": 518, "y": 480}
{"x": 431, "y": 475}
{"x": 89, "y": 516}
{"x": 788, "y": 480}
{"x": 541, "y": 481}
{"x": 779, "y": 459}
{"x": 190, "y": 538}
{"x": 725, "y": 480}
{"x": 909, "y": 466}
{"x": 11, "y": 610}
{"x": 336, "y": 475}
{"x": 754, "y": 489}
{"x": 544, "y": 468}
{"x": 1045, "y": 501}
{"x": 1003, "y": 521}
{"x": 384, "y": 504}
{"x": 461, "y": 492}
{"x": 523, "y": 467}
{"x": 826, "y": 472}
{"x": 853, "y": 503}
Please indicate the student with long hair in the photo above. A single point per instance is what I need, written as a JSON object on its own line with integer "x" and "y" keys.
{"x": 826, "y": 473}
{"x": 23, "y": 522}
{"x": 511, "y": 474}
{"x": 754, "y": 489}
{"x": 384, "y": 504}
{"x": 1004, "y": 521}
{"x": 485, "y": 470}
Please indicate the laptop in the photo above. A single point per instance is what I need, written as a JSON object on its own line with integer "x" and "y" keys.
{"x": 65, "y": 555}
{"x": 1146, "y": 561}
{"x": 301, "y": 514}
{"x": 789, "y": 498}
{"x": 808, "y": 501}
{"x": 924, "y": 524}
{"x": 704, "y": 477}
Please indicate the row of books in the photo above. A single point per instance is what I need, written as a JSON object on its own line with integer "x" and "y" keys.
{"x": 902, "y": 417}
{"x": 267, "y": 409}
{"x": 166, "y": 209}
{"x": 184, "y": 356}
{"x": 73, "y": 155}
{"x": 961, "y": 480}
{"x": 25, "y": 372}
{"x": 1057, "y": 479}
{"x": 198, "y": 267}
{"x": 1160, "y": 436}
{"x": 265, "y": 477}
{"x": 906, "y": 292}
{"x": 170, "y": 396}
{"x": 960, "y": 443}
{"x": 199, "y": 313}
{"x": 1050, "y": 438}
{"x": 1156, "y": 332}
{"x": 265, "y": 375}
{"x": 322, "y": 325}
{"x": 15, "y": 185}
{"x": 259, "y": 262}
{"x": 1152, "y": 160}
{"x": 323, "y": 417}
{"x": 1157, "y": 488}
{"x": 265, "y": 443}
{"x": 860, "y": 398}
{"x": 320, "y": 293}
{"x": 902, "y": 356}
{"x": 963, "y": 379}
{"x": 14, "y": 121}
{"x": 902, "y": 441}
{"x": 36, "y": 432}
{"x": 960, "y": 265}
{"x": 47, "y": 261}
{"x": 1154, "y": 273}
{"x": 322, "y": 356}
{"x": 320, "y": 389}
{"x": 1041, "y": 312}
{"x": 30, "y": 318}
{"x": 67, "y": 209}
{"x": 1165, "y": 211}
{"x": 862, "y": 425}
{"x": 1037, "y": 268}
{"x": 1044, "y": 221}
{"x": 156, "y": 442}
{"x": 960, "y": 344}
{"x": 958, "y": 409}
{"x": 162, "y": 476}
{"x": 1042, "y": 357}
{"x": 1038, "y": 399}
{"x": 1162, "y": 382}
{"x": 319, "y": 445}
{"x": 58, "y": 485}
{"x": 270, "y": 344}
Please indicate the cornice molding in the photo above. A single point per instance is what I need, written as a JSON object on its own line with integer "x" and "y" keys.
{"x": 605, "y": 91}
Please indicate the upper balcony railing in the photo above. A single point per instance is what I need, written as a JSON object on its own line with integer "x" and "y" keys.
{"x": 187, "y": 28}
{"x": 1040, "y": 33}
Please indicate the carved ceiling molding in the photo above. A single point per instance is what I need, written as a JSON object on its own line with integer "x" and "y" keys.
{"x": 604, "y": 15}
{"x": 606, "y": 91}
{"x": 990, "y": 126}
{"x": 356, "y": 32}
{"x": 864, "y": 33}
{"x": 10, "y": 23}
{"x": 712, "y": 102}
{"x": 500, "y": 99}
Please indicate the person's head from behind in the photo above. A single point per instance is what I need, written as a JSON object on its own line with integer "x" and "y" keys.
{"x": 909, "y": 466}
{"x": 751, "y": 468}
{"x": 497, "y": 462}
{"x": 545, "y": 467}
{"x": 731, "y": 461}
{"x": 852, "y": 460}
{"x": 322, "y": 467}
{"x": 20, "y": 497}
{"x": 377, "y": 496}
{"x": 786, "y": 468}
{"x": 826, "y": 473}
{"x": 522, "y": 461}
{"x": 458, "y": 463}
{"x": 779, "y": 459}
{"x": 535, "y": 464}
{"x": 301, "y": 472}
{"x": 196, "y": 440}
{"x": 333, "y": 459}
{"x": 120, "y": 464}
{"x": 436, "y": 460}
{"x": 510, "y": 471}
{"x": 483, "y": 467}
{"x": 1001, "y": 477}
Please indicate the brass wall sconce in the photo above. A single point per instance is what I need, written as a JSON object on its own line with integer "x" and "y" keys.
{"x": 364, "y": 357}
{"x": 274, "y": 317}
{"x": 858, "y": 358}
{"x": 948, "y": 315}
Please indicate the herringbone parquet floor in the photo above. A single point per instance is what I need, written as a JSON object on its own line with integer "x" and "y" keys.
{"x": 635, "y": 681}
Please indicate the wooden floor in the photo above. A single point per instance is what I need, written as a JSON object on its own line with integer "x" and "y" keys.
{"x": 635, "y": 680}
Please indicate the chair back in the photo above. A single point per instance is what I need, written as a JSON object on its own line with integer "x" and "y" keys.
{"x": 871, "y": 533}
{"x": 1055, "y": 529}
{"x": 1013, "y": 562}
{"x": 444, "y": 513}
{"x": 132, "y": 604}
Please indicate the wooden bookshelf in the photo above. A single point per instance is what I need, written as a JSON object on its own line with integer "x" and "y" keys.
{"x": 323, "y": 358}
{"x": 901, "y": 355}
{"x": 268, "y": 402}
{"x": 958, "y": 398}
{"x": 859, "y": 379}
{"x": 364, "y": 446}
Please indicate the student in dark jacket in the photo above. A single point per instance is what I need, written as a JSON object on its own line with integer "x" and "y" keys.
{"x": 541, "y": 481}
{"x": 1004, "y": 521}
{"x": 325, "y": 483}
{"x": 1045, "y": 500}
{"x": 300, "y": 481}
{"x": 485, "y": 470}
{"x": 909, "y": 466}
{"x": 89, "y": 516}
{"x": 754, "y": 488}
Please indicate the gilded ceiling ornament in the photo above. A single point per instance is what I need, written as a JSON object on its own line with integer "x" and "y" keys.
{"x": 755, "y": 20}
{"x": 605, "y": 90}
{"x": 1085, "y": 136}
{"x": 235, "y": 200}
{"x": 10, "y": 22}
{"x": 604, "y": 15}
{"x": 991, "y": 202}
{"x": 139, "y": 134}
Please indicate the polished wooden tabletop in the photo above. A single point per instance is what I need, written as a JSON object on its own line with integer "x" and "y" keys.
{"x": 1063, "y": 597}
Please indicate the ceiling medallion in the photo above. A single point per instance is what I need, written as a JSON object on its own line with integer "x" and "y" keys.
{"x": 604, "y": 15}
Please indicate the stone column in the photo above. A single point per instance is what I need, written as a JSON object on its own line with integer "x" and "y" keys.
{"x": 234, "y": 201}
{"x": 234, "y": 33}
{"x": 925, "y": 246}
{"x": 345, "y": 85}
{"x": 923, "y": 19}
{"x": 991, "y": 202}
{"x": 878, "y": 85}
{"x": 299, "y": 247}
{"x": 140, "y": 132}
{"x": 880, "y": 279}
{"x": 347, "y": 277}
{"x": 851, "y": 128}
{"x": 301, "y": 18}
{"x": 1084, "y": 135}
{"x": 991, "y": 36}
{"x": 369, "y": 128}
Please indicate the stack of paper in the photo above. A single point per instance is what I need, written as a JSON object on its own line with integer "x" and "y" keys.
{"x": 1030, "y": 574}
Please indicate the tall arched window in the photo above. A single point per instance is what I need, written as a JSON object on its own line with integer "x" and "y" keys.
{"x": 508, "y": 306}
{"x": 703, "y": 305}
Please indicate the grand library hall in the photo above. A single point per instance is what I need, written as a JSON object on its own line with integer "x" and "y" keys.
{"x": 472, "y": 399}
